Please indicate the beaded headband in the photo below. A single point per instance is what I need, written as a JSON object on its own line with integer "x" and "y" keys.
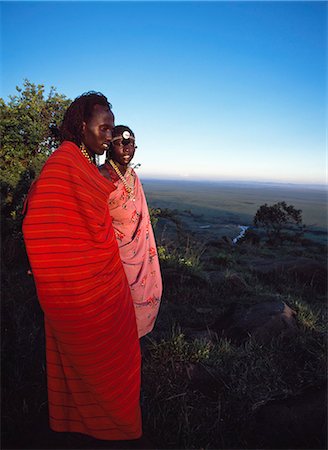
{"x": 125, "y": 135}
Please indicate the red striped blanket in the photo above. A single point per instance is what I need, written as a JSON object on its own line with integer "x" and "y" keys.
{"x": 92, "y": 347}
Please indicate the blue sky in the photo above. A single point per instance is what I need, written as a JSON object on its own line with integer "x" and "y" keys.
{"x": 213, "y": 90}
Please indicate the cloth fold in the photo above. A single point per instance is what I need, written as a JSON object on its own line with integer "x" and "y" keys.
{"x": 136, "y": 241}
{"x": 92, "y": 347}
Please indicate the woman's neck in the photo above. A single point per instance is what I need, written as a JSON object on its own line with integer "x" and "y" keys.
{"x": 122, "y": 167}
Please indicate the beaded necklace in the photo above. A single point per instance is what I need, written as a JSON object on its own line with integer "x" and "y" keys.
{"x": 128, "y": 188}
{"x": 85, "y": 153}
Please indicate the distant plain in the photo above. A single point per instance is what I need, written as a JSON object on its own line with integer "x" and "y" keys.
{"x": 215, "y": 209}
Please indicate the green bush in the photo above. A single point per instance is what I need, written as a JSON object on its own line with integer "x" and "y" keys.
{"x": 27, "y": 124}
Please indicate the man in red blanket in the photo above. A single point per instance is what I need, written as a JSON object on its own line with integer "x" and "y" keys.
{"x": 92, "y": 347}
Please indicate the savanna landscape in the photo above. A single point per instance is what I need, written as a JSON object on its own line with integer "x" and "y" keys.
{"x": 237, "y": 358}
{"x": 207, "y": 382}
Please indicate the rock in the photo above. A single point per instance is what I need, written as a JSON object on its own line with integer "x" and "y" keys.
{"x": 263, "y": 320}
{"x": 293, "y": 423}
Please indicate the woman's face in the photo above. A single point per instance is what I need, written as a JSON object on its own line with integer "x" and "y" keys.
{"x": 123, "y": 153}
{"x": 97, "y": 132}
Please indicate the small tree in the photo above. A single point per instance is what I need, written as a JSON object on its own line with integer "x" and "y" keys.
{"x": 278, "y": 217}
{"x": 26, "y": 129}
{"x": 27, "y": 139}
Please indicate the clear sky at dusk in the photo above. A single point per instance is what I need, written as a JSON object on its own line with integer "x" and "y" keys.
{"x": 213, "y": 90}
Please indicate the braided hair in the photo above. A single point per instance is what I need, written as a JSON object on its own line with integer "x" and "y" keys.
{"x": 79, "y": 111}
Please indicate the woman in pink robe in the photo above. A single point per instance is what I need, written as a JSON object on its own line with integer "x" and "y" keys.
{"x": 133, "y": 230}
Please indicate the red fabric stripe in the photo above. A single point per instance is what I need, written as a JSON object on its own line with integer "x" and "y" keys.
{"x": 93, "y": 353}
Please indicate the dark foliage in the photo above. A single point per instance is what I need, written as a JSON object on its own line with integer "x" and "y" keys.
{"x": 278, "y": 218}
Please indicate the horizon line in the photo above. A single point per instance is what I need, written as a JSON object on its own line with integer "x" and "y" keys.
{"x": 234, "y": 181}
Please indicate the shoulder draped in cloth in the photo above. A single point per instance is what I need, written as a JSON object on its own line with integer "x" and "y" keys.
{"x": 137, "y": 247}
{"x": 92, "y": 346}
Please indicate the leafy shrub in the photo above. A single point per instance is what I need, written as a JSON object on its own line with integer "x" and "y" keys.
{"x": 27, "y": 124}
{"x": 278, "y": 217}
{"x": 154, "y": 214}
{"x": 189, "y": 257}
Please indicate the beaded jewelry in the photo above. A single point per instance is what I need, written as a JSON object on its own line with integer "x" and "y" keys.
{"x": 128, "y": 187}
{"x": 85, "y": 153}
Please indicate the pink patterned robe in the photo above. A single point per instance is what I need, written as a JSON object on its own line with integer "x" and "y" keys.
{"x": 137, "y": 246}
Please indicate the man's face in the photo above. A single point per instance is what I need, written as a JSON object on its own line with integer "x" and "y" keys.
{"x": 97, "y": 132}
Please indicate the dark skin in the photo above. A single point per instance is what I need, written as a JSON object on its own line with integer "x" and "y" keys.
{"x": 97, "y": 132}
{"x": 121, "y": 155}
